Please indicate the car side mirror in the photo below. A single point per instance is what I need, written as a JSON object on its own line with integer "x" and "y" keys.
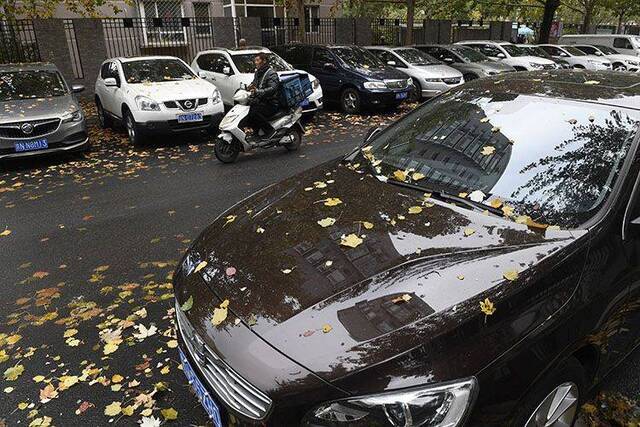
{"x": 329, "y": 66}
{"x": 77, "y": 88}
{"x": 500, "y": 55}
{"x": 392, "y": 63}
{"x": 371, "y": 133}
{"x": 226, "y": 70}
{"x": 110, "y": 82}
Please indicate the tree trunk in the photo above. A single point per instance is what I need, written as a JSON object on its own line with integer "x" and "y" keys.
{"x": 586, "y": 22}
{"x": 550, "y": 7}
{"x": 302, "y": 23}
{"x": 411, "y": 9}
{"x": 620, "y": 29}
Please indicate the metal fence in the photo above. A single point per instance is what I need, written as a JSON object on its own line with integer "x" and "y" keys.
{"x": 18, "y": 41}
{"x": 181, "y": 37}
{"x": 388, "y": 31}
{"x": 74, "y": 52}
{"x": 277, "y": 31}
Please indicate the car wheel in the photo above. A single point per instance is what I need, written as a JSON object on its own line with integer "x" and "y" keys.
{"x": 350, "y": 101}
{"x": 555, "y": 399}
{"x": 133, "y": 130}
{"x": 296, "y": 140}
{"x": 226, "y": 152}
{"x": 578, "y": 67}
{"x": 469, "y": 77}
{"x": 415, "y": 94}
{"x": 104, "y": 120}
{"x": 619, "y": 67}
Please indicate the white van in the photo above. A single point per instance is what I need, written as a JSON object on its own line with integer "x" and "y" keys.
{"x": 623, "y": 43}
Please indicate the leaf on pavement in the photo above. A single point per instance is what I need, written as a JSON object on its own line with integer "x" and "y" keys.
{"x": 112, "y": 409}
{"x": 169, "y": 414}
{"x": 12, "y": 373}
{"x": 186, "y": 306}
{"x": 351, "y": 241}
{"x": 200, "y": 266}
{"x": 415, "y": 210}
{"x": 326, "y": 222}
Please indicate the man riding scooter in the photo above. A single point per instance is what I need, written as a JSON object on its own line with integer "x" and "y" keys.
{"x": 265, "y": 93}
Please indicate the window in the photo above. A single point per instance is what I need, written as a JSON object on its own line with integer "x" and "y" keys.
{"x": 109, "y": 69}
{"x": 202, "y": 18}
{"x": 622, "y": 43}
{"x": 30, "y": 84}
{"x": 588, "y": 49}
{"x": 487, "y": 49}
{"x": 171, "y": 29}
{"x": 312, "y": 18}
{"x": 322, "y": 56}
{"x": 295, "y": 55}
{"x": 553, "y": 51}
{"x": 156, "y": 70}
{"x": 214, "y": 62}
{"x": 104, "y": 70}
{"x": 384, "y": 56}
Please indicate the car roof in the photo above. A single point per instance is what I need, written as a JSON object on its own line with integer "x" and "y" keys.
{"x": 28, "y": 66}
{"x": 142, "y": 58}
{"x": 597, "y": 87}
{"x": 236, "y": 51}
{"x": 500, "y": 42}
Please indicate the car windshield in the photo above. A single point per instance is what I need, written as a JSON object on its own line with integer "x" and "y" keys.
{"x": 606, "y": 49}
{"x": 469, "y": 54}
{"x": 468, "y": 141}
{"x": 514, "y": 50}
{"x": 416, "y": 57}
{"x": 245, "y": 64}
{"x": 30, "y": 84}
{"x": 156, "y": 70}
{"x": 574, "y": 51}
{"x": 357, "y": 58}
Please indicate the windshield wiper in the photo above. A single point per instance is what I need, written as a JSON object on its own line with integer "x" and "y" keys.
{"x": 450, "y": 197}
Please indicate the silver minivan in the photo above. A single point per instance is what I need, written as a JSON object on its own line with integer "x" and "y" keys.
{"x": 38, "y": 112}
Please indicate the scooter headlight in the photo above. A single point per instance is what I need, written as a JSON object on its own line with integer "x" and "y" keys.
{"x": 215, "y": 96}
{"x": 436, "y": 405}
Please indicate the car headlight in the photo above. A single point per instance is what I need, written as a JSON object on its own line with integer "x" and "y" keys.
{"x": 147, "y": 104}
{"x": 72, "y": 116}
{"x": 536, "y": 65}
{"x": 315, "y": 83}
{"x": 634, "y": 63}
{"x": 436, "y": 405}
{"x": 375, "y": 85}
{"x": 409, "y": 81}
{"x": 215, "y": 96}
{"x": 432, "y": 80}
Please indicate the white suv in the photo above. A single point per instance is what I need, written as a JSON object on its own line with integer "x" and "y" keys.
{"x": 230, "y": 69}
{"x": 155, "y": 95}
{"x": 576, "y": 58}
{"x": 510, "y": 54}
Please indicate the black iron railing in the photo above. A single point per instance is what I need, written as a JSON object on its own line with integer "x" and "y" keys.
{"x": 18, "y": 41}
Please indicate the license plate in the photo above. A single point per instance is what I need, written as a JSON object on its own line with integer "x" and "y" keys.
{"x": 38, "y": 144}
{"x": 188, "y": 118}
{"x": 401, "y": 95}
{"x": 207, "y": 402}
{"x": 305, "y": 102}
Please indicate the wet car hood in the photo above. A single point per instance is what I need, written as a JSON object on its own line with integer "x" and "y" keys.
{"x": 386, "y": 73}
{"x": 33, "y": 109}
{"x": 172, "y": 90}
{"x": 493, "y": 66}
{"x": 326, "y": 305}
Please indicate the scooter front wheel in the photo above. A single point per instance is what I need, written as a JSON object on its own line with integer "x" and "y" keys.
{"x": 295, "y": 136}
{"x": 227, "y": 152}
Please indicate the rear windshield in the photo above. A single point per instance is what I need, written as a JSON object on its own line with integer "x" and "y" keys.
{"x": 245, "y": 64}
{"x": 357, "y": 58}
{"x": 34, "y": 84}
{"x": 467, "y": 140}
{"x": 156, "y": 70}
{"x": 416, "y": 57}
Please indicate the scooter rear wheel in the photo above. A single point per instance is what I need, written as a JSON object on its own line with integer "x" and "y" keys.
{"x": 296, "y": 137}
{"x": 227, "y": 152}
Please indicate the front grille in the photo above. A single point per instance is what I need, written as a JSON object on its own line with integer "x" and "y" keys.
{"x": 20, "y": 130}
{"x": 451, "y": 80}
{"x": 396, "y": 84}
{"x": 186, "y": 104}
{"x": 227, "y": 384}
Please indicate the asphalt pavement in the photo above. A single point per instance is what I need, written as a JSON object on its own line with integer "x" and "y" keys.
{"x": 88, "y": 244}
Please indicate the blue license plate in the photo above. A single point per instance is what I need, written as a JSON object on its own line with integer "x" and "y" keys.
{"x": 190, "y": 117}
{"x": 401, "y": 95}
{"x": 305, "y": 102}
{"x": 203, "y": 395}
{"x": 38, "y": 144}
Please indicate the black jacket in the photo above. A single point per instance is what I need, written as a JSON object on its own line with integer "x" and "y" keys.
{"x": 267, "y": 84}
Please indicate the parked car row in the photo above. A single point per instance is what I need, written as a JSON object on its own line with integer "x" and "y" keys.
{"x": 164, "y": 95}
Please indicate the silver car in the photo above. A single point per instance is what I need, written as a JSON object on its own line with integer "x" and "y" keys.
{"x": 38, "y": 112}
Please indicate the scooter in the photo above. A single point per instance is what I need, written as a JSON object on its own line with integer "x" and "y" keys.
{"x": 232, "y": 139}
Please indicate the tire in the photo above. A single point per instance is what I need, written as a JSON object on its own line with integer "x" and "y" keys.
{"x": 469, "y": 77}
{"x": 297, "y": 140}
{"x": 226, "y": 152}
{"x": 350, "y": 101}
{"x": 619, "y": 67}
{"x": 567, "y": 379}
{"x": 578, "y": 67}
{"x": 133, "y": 130}
{"x": 519, "y": 68}
{"x": 415, "y": 94}
{"x": 104, "y": 120}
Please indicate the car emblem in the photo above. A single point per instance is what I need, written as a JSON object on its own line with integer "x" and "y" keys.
{"x": 26, "y": 128}
{"x": 188, "y": 104}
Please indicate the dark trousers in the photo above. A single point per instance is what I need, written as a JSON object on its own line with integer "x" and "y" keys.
{"x": 258, "y": 115}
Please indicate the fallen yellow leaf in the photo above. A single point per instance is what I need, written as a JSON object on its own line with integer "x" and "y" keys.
{"x": 400, "y": 175}
{"x": 326, "y": 328}
{"x": 200, "y": 266}
{"x": 488, "y": 150}
{"x": 510, "y": 275}
{"x": 351, "y": 240}
{"x": 326, "y": 222}
{"x": 415, "y": 210}
{"x": 112, "y": 409}
{"x": 487, "y": 307}
{"x": 469, "y": 231}
{"x": 169, "y": 414}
